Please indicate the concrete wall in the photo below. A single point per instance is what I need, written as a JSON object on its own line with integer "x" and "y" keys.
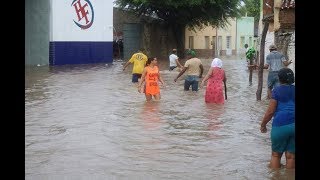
{"x": 230, "y": 30}
{"x": 268, "y": 42}
{"x": 55, "y": 35}
{"x": 157, "y": 39}
{"x": 199, "y": 37}
{"x": 291, "y": 52}
{"x": 37, "y": 18}
{"x": 270, "y": 39}
{"x": 237, "y": 28}
{"x": 81, "y": 32}
{"x": 287, "y": 18}
{"x": 64, "y": 18}
{"x": 281, "y": 30}
{"x": 119, "y": 19}
{"x": 199, "y": 40}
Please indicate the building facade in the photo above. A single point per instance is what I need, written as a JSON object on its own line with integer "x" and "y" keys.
{"x": 68, "y": 32}
{"x": 227, "y": 41}
{"x": 147, "y": 32}
{"x": 281, "y": 17}
{"x": 245, "y": 33}
{"x": 201, "y": 40}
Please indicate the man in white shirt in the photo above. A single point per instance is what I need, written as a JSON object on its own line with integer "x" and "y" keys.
{"x": 174, "y": 60}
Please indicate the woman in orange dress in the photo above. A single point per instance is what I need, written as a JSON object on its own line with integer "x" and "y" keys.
{"x": 151, "y": 76}
{"x": 216, "y": 80}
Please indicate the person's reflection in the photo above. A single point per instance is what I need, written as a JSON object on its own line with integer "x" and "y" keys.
{"x": 213, "y": 112}
{"x": 152, "y": 139}
{"x": 150, "y": 115}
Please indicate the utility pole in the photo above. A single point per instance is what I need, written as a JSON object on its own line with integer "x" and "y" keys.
{"x": 216, "y": 50}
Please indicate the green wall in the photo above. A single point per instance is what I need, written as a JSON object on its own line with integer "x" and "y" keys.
{"x": 245, "y": 29}
{"x": 37, "y": 37}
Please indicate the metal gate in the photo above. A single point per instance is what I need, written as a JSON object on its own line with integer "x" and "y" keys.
{"x": 131, "y": 39}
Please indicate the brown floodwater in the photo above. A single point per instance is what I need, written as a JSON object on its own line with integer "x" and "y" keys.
{"x": 90, "y": 122}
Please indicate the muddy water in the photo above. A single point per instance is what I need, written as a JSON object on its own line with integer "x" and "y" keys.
{"x": 90, "y": 122}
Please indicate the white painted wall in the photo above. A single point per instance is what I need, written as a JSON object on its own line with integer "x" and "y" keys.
{"x": 291, "y": 52}
{"x": 291, "y": 48}
{"x": 230, "y": 30}
{"x": 199, "y": 37}
{"x": 269, "y": 41}
{"x": 64, "y": 29}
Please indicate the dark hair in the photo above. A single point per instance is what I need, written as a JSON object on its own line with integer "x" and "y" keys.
{"x": 149, "y": 60}
{"x": 286, "y": 76}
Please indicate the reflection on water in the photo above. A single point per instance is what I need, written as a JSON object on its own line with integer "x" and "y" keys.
{"x": 89, "y": 122}
{"x": 150, "y": 115}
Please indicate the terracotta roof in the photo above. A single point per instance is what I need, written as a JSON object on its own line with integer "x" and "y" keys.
{"x": 288, "y": 4}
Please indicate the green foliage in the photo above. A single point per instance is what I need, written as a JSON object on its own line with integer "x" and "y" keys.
{"x": 191, "y": 13}
{"x": 252, "y": 8}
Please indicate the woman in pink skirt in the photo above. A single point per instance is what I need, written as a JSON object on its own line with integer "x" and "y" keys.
{"x": 216, "y": 81}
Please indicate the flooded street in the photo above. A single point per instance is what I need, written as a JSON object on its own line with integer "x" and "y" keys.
{"x": 90, "y": 122}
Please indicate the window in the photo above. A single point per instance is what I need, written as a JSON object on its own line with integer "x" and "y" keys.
{"x": 242, "y": 41}
{"x": 213, "y": 42}
{"x": 228, "y": 42}
{"x": 219, "y": 42}
{"x": 206, "y": 41}
{"x": 191, "y": 42}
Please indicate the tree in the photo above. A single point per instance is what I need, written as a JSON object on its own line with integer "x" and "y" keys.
{"x": 261, "y": 64}
{"x": 179, "y": 14}
{"x": 251, "y": 8}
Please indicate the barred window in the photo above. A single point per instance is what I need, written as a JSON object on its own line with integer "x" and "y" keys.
{"x": 206, "y": 41}
{"x": 228, "y": 42}
{"x": 191, "y": 42}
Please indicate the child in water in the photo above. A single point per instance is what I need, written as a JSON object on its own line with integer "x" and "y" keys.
{"x": 282, "y": 109}
{"x": 151, "y": 76}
